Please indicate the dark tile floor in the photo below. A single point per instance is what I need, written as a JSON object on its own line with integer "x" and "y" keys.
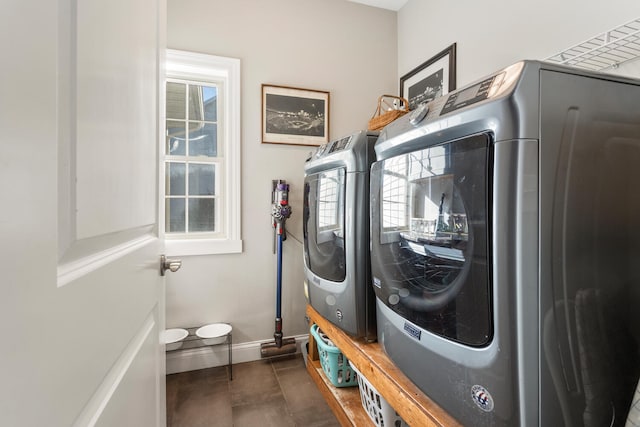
{"x": 264, "y": 393}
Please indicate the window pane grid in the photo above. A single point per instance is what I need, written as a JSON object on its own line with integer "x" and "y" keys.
{"x": 394, "y": 194}
{"x": 192, "y": 120}
{"x": 192, "y": 158}
{"x": 328, "y": 202}
{"x": 178, "y": 215}
{"x": 178, "y": 221}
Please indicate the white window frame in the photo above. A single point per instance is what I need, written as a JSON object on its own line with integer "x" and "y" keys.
{"x": 225, "y": 72}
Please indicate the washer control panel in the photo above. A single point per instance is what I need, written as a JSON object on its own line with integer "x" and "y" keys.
{"x": 473, "y": 94}
{"x": 333, "y": 146}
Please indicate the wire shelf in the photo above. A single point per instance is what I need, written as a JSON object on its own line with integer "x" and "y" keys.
{"x": 607, "y": 50}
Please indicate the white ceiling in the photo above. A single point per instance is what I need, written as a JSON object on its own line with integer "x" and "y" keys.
{"x": 384, "y": 4}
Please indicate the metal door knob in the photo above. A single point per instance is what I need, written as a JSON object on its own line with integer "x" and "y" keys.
{"x": 169, "y": 264}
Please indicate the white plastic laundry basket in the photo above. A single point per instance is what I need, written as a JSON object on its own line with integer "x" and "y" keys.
{"x": 378, "y": 409}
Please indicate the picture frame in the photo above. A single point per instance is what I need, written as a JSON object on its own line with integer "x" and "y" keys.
{"x": 433, "y": 78}
{"x": 294, "y": 116}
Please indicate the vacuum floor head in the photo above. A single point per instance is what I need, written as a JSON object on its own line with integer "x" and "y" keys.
{"x": 271, "y": 349}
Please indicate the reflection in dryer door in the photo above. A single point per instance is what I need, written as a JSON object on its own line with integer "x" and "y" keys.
{"x": 429, "y": 238}
{"x": 324, "y": 224}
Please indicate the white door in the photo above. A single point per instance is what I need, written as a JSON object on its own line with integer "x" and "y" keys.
{"x": 81, "y": 297}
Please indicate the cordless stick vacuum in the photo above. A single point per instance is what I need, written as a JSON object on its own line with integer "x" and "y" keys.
{"x": 280, "y": 211}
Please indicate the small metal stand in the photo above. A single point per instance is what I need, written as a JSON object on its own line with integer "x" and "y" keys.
{"x": 194, "y": 341}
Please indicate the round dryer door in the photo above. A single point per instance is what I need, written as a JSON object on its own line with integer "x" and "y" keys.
{"x": 323, "y": 227}
{"x": 429, "y": 238}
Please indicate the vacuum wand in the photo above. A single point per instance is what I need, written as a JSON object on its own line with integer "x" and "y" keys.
{"x": 280, "y": 211}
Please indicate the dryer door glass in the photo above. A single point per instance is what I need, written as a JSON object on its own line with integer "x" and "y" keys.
{"x": 324, "y": 224}
{"x": 430, "y": 237}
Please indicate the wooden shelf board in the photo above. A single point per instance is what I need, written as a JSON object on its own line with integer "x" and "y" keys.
{"x": 344, "y": 401}
{"x": 415, "y": 407}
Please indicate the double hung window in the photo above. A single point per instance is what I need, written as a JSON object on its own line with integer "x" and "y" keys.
{"x": 201, "y": 201}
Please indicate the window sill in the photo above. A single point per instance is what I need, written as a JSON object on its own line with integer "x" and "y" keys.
{"x": 186, "y": 247}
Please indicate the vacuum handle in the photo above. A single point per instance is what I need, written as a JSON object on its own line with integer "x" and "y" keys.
{"x": 280, "y": 209}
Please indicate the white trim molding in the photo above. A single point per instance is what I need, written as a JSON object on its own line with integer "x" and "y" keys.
{"x": 226, "y": 72}
{"x": 94, "y": 408}
{"x": 70, "y": 271}
{"x": 185, "y": 247}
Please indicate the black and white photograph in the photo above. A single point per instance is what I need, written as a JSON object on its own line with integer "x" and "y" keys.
{"x": 431, "y": 79}
{"x": 294, "y": 116}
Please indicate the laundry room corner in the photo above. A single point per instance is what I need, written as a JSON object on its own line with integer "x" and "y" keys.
{"x": 287, "y": 43}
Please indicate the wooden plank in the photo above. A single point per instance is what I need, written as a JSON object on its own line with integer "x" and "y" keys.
{"x": 313, "y": 348}
{"x": 344, "y": 401}
{"x": 415, "y": 407}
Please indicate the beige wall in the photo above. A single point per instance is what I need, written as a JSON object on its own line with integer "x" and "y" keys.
{"x": 345, "y": 48}
{"x": 495, "y": 33}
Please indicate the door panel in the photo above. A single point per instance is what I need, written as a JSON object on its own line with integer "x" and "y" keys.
{"x": 116, "y": 54}
{"x": 82, "y": 302}
{"x": 132, "y": 375}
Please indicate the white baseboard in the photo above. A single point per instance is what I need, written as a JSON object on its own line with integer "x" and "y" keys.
{"x": 217, "y": 355}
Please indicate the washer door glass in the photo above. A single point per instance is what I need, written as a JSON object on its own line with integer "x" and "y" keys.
{"x": 430, "y": 236}
{"x": 323, "y": 224}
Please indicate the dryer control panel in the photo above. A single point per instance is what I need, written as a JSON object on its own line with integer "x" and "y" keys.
{"x": 333, "y": 146}
{"x": 473, "y": 94}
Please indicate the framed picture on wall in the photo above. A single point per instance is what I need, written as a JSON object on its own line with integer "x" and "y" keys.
{"x": 431, "y": 79}
{"x": 294, "y": 116}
